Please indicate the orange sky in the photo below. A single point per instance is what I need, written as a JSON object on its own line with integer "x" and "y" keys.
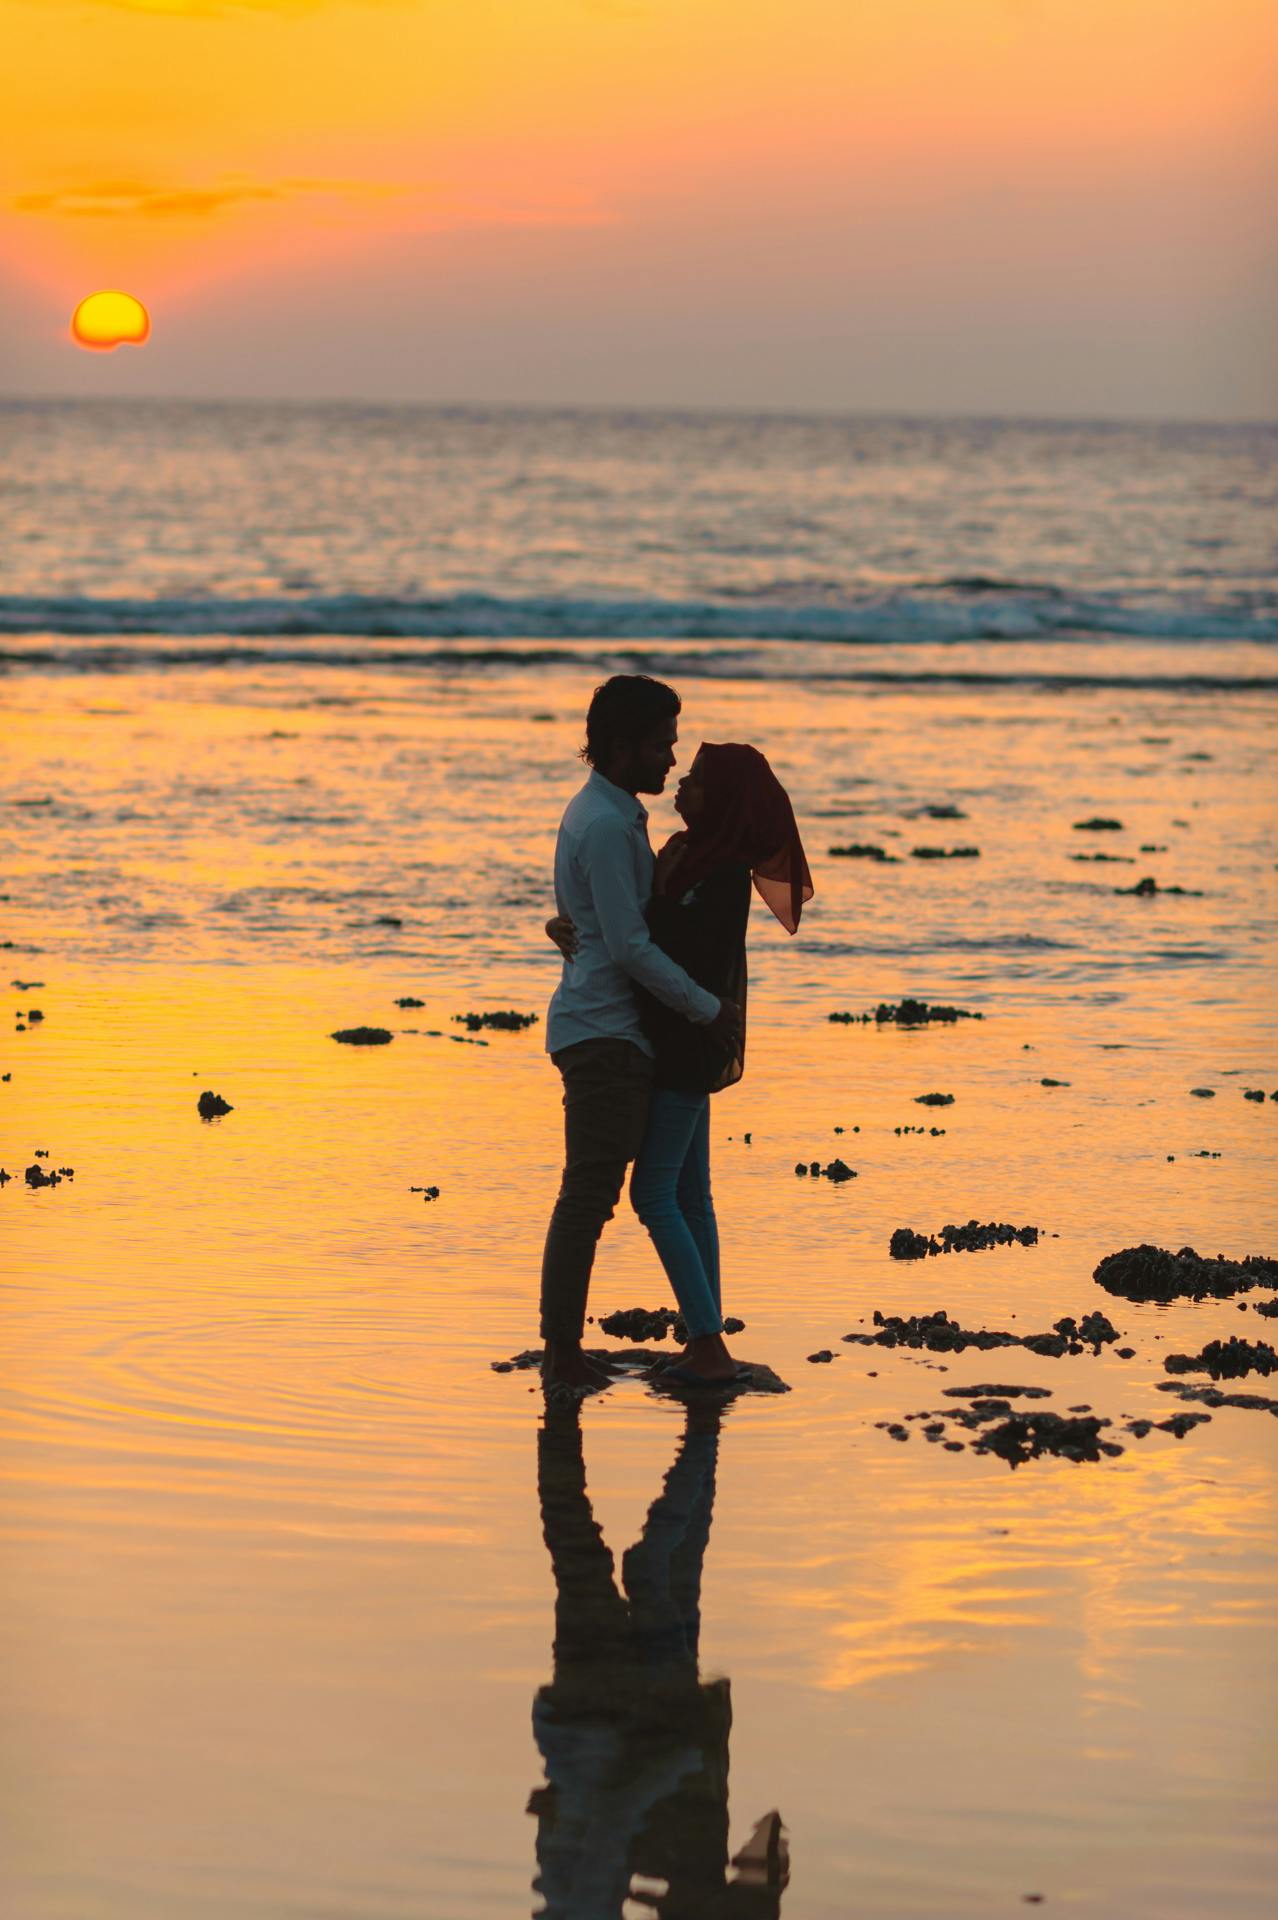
{"x": 1051, "y": 205}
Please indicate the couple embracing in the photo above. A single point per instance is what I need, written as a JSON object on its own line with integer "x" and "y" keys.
{"x": 649, "y": 1017}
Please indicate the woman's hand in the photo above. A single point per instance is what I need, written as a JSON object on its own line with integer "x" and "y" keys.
{"x": 563, "y": 931}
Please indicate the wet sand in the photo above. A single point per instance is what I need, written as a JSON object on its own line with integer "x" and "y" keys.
{"x": 282, "y": 1553}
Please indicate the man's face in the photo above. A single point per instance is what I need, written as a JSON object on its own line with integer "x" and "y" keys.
{"x": 654, "y": 756}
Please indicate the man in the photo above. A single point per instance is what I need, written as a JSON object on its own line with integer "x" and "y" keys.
{"x": 603, "y": 881}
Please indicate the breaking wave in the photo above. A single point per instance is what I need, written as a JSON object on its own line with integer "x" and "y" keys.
{"x": 957, "y": 609}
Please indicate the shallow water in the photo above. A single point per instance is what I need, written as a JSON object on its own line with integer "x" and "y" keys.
{"x": 278, "y": 1609}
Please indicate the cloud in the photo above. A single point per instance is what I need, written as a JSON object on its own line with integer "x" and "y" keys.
{"x": 219, "y": 9}
{"x": 126, "y": 200}
{"x": 224, "y": 9}
{"x": 132, "y": 200}
{"x": 428, "y": 204}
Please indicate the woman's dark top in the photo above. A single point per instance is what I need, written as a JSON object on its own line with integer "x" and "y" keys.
{"x": 705, "y": 931}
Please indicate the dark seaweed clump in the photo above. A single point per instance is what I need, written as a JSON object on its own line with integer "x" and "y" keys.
{"x": 35, "y": 1176}
{"x": 837, "y": 1170}
{"x": 507, "y": 1022}
{"x": 363, "y": 1036}
{"x": 1016, "y": 1437}
{"x": 862, "y": 850}
{"x": 988, "y": 1391}
{"x": 1151, "y": 1273}
{"x": 653, "y": 1323}
{"x": 905, "y": 1013}
{"x": 1225, "y": 1359}
{"x": 643, "y": 1323}
{"x": 212, "y": 1105}
{"x": 1146, "y": 889}
{"x": 1178, "y": 1424}
{"x": 905, "y": 1244}
{"x": 1021, "y": 1435}
{"x": 1214, "y": 1397}
{"x": 939, "y": 1334}
{"x": 1027, "y": 1436}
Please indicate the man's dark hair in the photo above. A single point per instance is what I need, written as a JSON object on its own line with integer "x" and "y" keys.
{"x": 623, "y": 710}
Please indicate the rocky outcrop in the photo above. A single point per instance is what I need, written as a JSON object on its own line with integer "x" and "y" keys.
{"x": 501, "y": 1022}
{"x": 939, "y": 1334}
{"x": 1151, "y": 1273}
{"x": 1226, "y": 1359}
{"x": 905, "y": 1244}
{"x": 862, "y": 850}
{"x": 654, "y": 1323}
{"x": 906, "y": 1013}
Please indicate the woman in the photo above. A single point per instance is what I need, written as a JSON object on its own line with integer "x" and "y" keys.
{"x": 739, "y": 828}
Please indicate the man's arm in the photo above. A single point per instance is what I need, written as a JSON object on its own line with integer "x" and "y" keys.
{"x": 608, "y": 862}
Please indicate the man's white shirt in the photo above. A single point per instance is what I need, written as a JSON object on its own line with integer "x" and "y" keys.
{"x": 603, "y": 881}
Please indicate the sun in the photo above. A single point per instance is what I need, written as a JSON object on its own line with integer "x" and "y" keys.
{"x": 110, "y": 319}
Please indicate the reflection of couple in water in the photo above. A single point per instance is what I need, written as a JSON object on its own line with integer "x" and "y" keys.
{"x": 634, "y": 1814}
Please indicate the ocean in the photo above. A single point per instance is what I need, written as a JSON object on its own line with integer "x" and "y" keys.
{"x": 280, "y": 523}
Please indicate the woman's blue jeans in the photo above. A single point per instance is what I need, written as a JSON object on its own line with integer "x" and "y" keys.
{"x": 670, "y": 1191}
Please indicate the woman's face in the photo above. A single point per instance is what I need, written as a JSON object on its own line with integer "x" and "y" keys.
{"x": 690, "y": 794}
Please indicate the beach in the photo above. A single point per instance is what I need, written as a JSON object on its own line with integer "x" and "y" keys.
{"x": 278, "y": 1596}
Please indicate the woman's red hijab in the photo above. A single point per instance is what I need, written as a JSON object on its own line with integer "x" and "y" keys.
{"x": 747, "y": 821}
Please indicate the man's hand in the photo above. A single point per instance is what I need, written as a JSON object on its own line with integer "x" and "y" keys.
{"x": 563, "y": 931}
{"x": 726, "y": 1025}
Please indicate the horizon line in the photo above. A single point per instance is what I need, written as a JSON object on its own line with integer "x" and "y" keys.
{"x": 708, "y": 409}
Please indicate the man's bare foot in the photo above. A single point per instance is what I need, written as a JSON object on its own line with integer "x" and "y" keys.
{"x": 708, "y": 1358}
{"x": 565, "y": 1363}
